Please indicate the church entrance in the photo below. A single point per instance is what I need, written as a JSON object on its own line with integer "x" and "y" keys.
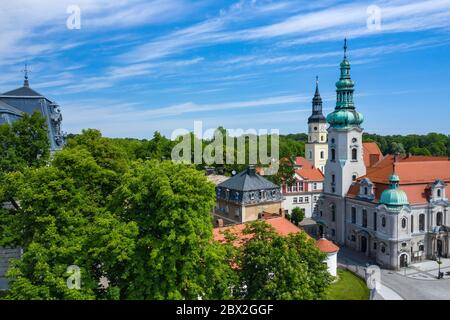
{"x": 363, "y": 244}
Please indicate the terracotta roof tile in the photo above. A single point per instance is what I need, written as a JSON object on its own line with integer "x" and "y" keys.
{"x": 281, "y": 225}
{"x": 415, "y": 173}
{"x": 326, "y": 246}
{"x": 371, "y": 153}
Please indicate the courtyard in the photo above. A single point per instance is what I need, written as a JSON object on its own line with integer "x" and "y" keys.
{"x": 416, "y": 282}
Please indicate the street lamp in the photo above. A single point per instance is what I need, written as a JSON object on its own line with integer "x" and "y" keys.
{"x": 439, "y": 262}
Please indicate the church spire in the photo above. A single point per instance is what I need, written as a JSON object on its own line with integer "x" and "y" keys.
{"x": 345, "y": 114}
{"x": 26, "y": 83}
{"x": 317, "y": 115}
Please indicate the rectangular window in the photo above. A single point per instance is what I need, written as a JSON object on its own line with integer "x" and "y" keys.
{"x": 294, "y": 200}
{"x": 306, "y": 199}
{"x": 294, "y": 188}
{"x": 289, "y": 189}
{"x": 353, "y": 215}
{"x": 364, "y": 218}
{"x": 315, "y": 186}
{"x": 300, "y": 187}
{"x": 375, "y": 221}
{"x": 422, "y": 222}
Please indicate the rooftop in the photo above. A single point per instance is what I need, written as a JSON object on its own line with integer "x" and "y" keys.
{"x": 248, "y": 180}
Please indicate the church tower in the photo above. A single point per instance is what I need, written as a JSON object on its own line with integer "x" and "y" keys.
{"x": 316, "y": 150}
{"x": 345, "y": 162}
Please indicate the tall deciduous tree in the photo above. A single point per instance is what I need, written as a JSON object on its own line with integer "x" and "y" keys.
{"x": 24, "y": 143}
{"x": 176, "y": 257}
{"x": 285, "y": 268}
{"x": 60, "y": 222}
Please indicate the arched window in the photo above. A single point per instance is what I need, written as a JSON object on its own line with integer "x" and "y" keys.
{"x": 333, "y": 212}
{"x": 354, "y": 177}
{"x": 354, "y": 154}
{"x": 310, "y": 154}
{"x": 439, "y": 219}
{"x": 438, "y": 193}
{"x": 322, "y": 155}
{"x": 403, "y": 223}
{"x": 383, "y": 221}
{"x": 422, "y": 222}
{"x": 412, "y": 224}
{"x": 333, "y": 154}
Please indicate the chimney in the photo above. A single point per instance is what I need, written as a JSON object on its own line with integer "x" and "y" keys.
{"x": 251, "y": 170}
{"x": 219, "y": 223}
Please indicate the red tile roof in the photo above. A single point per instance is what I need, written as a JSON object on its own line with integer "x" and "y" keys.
{"x": 307, "y": 170}
{"x": 326, "y": 246}
{"x": 281, "y": 225}
{"x": 371, "y": 153}
{"x": 415, "y": 173}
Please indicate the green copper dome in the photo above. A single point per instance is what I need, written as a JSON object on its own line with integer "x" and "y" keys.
{"x": 394, "y": 197}
{"x": 345, "y": 115}
{"x": 345, "y": 118}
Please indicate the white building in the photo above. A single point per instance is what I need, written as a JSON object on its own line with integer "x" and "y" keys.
{"x": 305, "y": 190}
{"x": 393, "y": 209}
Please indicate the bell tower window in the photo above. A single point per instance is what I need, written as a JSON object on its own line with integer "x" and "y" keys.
{"x": 333, "y": 155}
{"x": 354, "y": 154}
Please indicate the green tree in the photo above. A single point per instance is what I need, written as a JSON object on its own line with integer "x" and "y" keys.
{"x": 298, "y": 214}
{"x": 106, "y": 153}
{"x": 24, "y": 143}
{"x": 281, "y": 268}
{"x": 59, "y": 221}
{"x": 176, "y": 257}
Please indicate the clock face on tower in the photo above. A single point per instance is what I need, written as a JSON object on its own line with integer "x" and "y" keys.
{"x": 354, "y": 140}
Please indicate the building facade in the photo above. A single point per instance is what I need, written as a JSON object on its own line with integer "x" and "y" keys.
{"x": 316, "y": 150}
{"x": 247, "y": 197}
{"x": 305, "y": 190}
{"x": 393, "y": 209}
{"x": 14, "y": 103}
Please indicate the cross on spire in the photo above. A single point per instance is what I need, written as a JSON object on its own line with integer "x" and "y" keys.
{"x": 26, "y": 72}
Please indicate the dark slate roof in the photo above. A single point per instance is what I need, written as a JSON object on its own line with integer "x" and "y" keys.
{"x": 6, "y": 108}
{"x": 22, "y": 92}
{"x": 248, "y": 180}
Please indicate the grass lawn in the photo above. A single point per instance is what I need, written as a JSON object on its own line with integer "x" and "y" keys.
{"x": 348, "y": 287}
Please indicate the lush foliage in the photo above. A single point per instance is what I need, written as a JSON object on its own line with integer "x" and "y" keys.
{"x": 432, "y": 144}
{"x": 282, "y": 268}
{"x": 24, "y": 143}
{"x": 298, "y": 214}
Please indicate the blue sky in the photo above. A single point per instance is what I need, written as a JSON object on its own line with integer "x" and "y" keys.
{"x": 139, "y": 66}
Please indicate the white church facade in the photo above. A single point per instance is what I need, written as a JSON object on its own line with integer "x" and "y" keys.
{"x": 393, "y": 209}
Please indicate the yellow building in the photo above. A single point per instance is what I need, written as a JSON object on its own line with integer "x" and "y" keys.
{"x": 316, "y": 150}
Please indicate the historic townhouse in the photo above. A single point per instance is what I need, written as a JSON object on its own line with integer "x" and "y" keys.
{"x": 305, "y": 190}
{"x": 394, "y": 209}
{"x": 247, "y": 197}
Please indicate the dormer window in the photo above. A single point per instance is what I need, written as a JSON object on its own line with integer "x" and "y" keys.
{"x": 438, "y": 190}
{"x": 366, "y": 189}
